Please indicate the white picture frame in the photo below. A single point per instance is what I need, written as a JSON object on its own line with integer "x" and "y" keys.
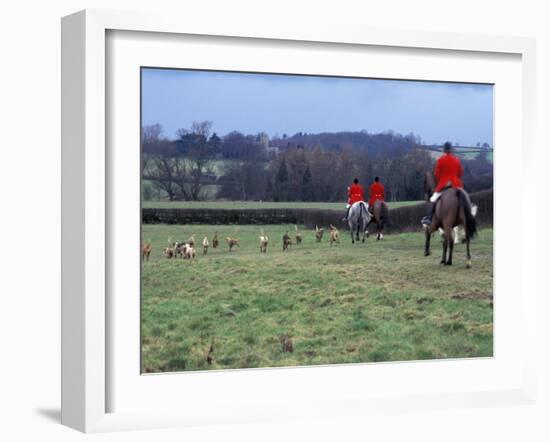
{"x": 85, "y": 213}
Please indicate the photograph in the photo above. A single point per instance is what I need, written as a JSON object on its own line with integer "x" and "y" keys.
{"x": 303, "y": 220}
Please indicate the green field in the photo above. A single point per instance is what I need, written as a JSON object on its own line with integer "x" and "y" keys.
{"x": 257, "y": 205}
{"x": 379, "y": 301}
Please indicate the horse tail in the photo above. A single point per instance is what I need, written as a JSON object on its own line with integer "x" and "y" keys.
{"x": 368, "y": 217}
{"x": 360, "y": 214}
{"x": 384, "y": 212}
{"x": 471, "y": 225}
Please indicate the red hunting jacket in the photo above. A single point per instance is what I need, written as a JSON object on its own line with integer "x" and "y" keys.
{"x": 355, "y": 193}
{"x": 376, "y": 193}
{"x": 448, "y": 169}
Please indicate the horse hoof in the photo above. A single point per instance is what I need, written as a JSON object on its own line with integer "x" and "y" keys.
{"x": 469, "y": 264}
{"x": 426, "y": 253}
{"x": 442, "y": 263}
{"x": 448, "y": 263}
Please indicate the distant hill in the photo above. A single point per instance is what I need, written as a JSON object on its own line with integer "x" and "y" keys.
{"x": 376, "y": 145}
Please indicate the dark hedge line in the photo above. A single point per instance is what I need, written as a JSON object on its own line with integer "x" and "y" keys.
{"x": 407, "y": 219}
{"x": 401, "y": 219}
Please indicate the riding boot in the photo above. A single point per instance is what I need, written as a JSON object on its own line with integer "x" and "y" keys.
{"x": 345, "y": 218}
{"x": 427, "y": 220}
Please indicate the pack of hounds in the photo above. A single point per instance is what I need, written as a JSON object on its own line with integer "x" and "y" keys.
{"x": 187, "y": 249}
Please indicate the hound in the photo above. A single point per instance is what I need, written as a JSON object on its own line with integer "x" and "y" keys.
{"x": 286, "y": 242}
{"x": 232, "y": 242}
{"x": 319, "y": 233}
{"x": 263, "y": 242}
{"x": 298, "y": 235}
{"x": 189, "y": 252}
{"x": 191, "y": 241}
{"x": 168, "y": 252}
{"x": 286, "y": 343}
{"x": 179, "y": 249}
{"x": 146, "y": 251}
{"x": 334, "y": 235}
{"x": 205, "y": 245}
{"x": 215, "y": 241}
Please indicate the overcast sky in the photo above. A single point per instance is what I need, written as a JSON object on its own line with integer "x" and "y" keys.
{"x": 286, "y": 104}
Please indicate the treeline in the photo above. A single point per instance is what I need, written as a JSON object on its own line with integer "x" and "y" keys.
{"x": 297, "y": 174}
{"x": 198, "y": 164}
{"x": 385, "y": 144}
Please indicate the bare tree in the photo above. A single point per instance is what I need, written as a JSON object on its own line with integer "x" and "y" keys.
{"x": 160, "y": 170}
{"x": 150, "y": 141}
{"x": 195, "y": 146}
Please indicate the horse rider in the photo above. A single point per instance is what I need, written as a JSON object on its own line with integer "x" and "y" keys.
{"x": 355, "y": 193}
{"x": 376, "y": 192}
{"x": 448, "y": 173}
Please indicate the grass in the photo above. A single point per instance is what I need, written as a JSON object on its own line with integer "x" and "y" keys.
{"x": 257, "y": 205}
{"x": 379, "y": 301}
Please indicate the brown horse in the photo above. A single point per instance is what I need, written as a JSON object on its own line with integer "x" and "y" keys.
{"x": 453, "y": 208}
{"x": 380, "y": 217}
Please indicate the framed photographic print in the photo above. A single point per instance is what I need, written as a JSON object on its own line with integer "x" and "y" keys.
{"x": 279, "y": 223}
{"x": 255, "y": 195}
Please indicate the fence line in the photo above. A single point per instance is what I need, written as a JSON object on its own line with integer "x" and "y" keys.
{"x": 401, "y": 219}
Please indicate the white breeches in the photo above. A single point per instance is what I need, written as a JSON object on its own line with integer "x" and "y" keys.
{"x": 435, "y": 197}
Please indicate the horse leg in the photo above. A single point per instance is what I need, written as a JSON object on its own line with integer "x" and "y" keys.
{"x": 445, "y": 243}
{"x": 427, "y": 243}
{"x": 451, "y": 243}
{"x": 468, "y": 256}
{"x": 351, "y": 232}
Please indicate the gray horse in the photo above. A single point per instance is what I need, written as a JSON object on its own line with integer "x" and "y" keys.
{"x": 358, "y": 220}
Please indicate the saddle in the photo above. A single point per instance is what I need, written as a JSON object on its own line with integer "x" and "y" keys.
{"x": 448, "y": 187}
